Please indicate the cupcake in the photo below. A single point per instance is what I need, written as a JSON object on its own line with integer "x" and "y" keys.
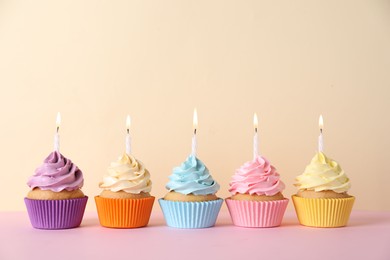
{"x": 191, "y": 201}
{"x": 125, "y": 201}
{"x": 322, "y": 199}
{"x": 257, "y": 199}
{"x": 55, "y": 200}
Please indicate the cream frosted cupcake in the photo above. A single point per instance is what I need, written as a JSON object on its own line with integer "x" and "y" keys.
{"x": 191, "y": 201}
{"x": 55, "y": 200}
{"x": 257, "y": 199}
{"x": 125, "y": 201}
{"x": 322, "y": 199}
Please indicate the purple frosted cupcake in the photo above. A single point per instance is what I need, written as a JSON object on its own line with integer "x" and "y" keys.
{"x": 55, "y": 200}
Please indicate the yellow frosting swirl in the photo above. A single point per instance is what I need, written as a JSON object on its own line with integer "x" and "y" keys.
{"x": 127, "y": 174}
{"x": 323, "y": 174}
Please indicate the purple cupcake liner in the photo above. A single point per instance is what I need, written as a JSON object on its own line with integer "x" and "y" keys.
{"x": 56, "y": 214}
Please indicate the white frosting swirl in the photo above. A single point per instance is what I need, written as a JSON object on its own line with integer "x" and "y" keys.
{"x": 127, "y": 174}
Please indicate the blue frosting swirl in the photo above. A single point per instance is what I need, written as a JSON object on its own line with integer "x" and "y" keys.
{"x": 192, "y": 176}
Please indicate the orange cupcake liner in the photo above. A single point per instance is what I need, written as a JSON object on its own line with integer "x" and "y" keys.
{"x": 323, "y": 212}
{"x": 124, "y": 213}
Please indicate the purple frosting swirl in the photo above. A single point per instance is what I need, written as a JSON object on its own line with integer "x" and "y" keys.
{"x": 57, "y": 173}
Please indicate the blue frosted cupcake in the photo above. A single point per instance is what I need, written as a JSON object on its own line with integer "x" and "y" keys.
{"x": 191, "y": 201}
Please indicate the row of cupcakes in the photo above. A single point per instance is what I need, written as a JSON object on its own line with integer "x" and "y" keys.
{"x": 57, "y": 202}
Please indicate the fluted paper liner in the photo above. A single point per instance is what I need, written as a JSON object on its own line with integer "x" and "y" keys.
{"x": 323, "y": 212}
{"x": 246, "y": 213}
{"x": 56, "y": 214}
{"x": 124, "y": 213}
{"x": 186, "y": 214}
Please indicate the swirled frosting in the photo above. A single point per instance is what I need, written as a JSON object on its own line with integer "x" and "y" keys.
{"x": 323, "y": 174}
{"x": 128, "y": 175}
{"x": 57, "y": 173}
{"x": 256, "y": 177}
{"x": 192, "y": 177}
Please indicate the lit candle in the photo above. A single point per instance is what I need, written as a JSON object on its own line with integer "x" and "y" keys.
{"x": 57, "y": 135}
{"x": 321, "y": 137}
{"x": 128, "y": 139}
{"x": 255, "y": 137}
{"x": 195, "y": 126}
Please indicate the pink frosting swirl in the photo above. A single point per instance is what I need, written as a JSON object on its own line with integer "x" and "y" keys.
{"x": 57, "y": 173}
{"x": 256, "y": 177}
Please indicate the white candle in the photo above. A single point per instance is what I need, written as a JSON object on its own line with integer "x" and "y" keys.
{"x": 321, "y": 137}
{"x": 128, "y": 138}
{"x": 255, "y": 137}
{"x": 195, "y": 126}
{"x": 57, "y": 135}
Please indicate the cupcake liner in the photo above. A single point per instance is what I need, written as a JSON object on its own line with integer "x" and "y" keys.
{"x": 246, "y": 213}
{"x": 323, "y": 212}
{"x": 124, "y": 213}
{"x": 56, "y": 214}
{"x": 186, "y": 214}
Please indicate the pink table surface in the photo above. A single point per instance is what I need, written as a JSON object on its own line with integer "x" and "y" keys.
{"x": 366, "y": 237}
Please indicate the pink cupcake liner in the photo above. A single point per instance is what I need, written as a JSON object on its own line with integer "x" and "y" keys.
{"x": 56, "y": 214}
{"x": 257, "y": 213}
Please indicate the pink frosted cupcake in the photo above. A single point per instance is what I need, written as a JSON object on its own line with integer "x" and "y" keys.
{"x": 257, "y": 199}
{"x": 55, "y": 200}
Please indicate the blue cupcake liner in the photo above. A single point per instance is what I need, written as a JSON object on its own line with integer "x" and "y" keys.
{"x": 185, "y": 214}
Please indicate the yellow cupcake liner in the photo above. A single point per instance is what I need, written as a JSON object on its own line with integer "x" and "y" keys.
{"x": 323, "y": 212}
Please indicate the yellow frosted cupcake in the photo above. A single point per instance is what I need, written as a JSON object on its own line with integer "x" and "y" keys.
{"x": 322, "y": 199}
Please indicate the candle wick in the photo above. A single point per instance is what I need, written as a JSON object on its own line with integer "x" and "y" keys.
{"x": 58, "y": 128}
{"x": 195, "y": 131}
{"x": 128, "y": 131}
{"x": 256, "y": 129}
{"x": 321, "y": 130}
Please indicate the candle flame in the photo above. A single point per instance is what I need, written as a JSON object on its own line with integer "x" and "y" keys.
{"x": 58, "y": 121}
{"x": 195, "y": 120}
{"x": 321, "y": 123}
{"x": 128, "y": 123}
{"x": 255, "y": 122}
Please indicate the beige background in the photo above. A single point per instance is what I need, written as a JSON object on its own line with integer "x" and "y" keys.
{"x": 289, "y": 61}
